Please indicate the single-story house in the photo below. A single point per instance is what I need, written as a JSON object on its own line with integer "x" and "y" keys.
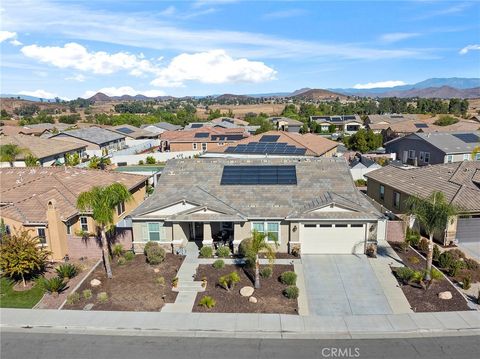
{"x": 347, "y": 123}
{"x": 378, "y": 123}
{"x": 161, "y": 127}
{"x": 286, "y": 124}
{"x": 391, "y": 186}
{"x": 360, "y": 165}
{"x": 47, "y": 151}
{"x": 44, "y": 200}
{"x": 422, "y": 149}
{"x": 310, "y": 204}
{"x": 235, "y": 121}
{"x": 278, "y": 144}
{"x": 99, "y": 141}
{"x": 132, "y": 133}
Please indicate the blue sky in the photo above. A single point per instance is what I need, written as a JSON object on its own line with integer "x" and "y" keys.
{"x": 76, "y": 48}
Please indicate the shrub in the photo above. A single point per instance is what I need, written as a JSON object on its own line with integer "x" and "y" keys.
{"x": 436, "y": 253}
{"x": 150, "y": 160}
{"x": 288, "y": 278}
{"x": 414, "y": 260}
{"x": 160, "y": 280}
{"x": 129, "y": 256}
{"x": 67, "y": 270}
{"x": 207, "y": 302}
{"x": 295, "y": 251}
{"x": 405, "y": 274}
{"x": 218, "y": 264}
{"x": 445, "y": 120}
{"x": 117, "y": 250}
{"x": 291, "y": 292}
{"x": 223, "y": 251}
{"x": 228, "y": 281}
{"x": 121, "y": 261}
{"x": 404, "y": 246}
{"x": 243, "y": 247}
{"x": 413, "y": 237}
{"x": 266, "y": 272}
{"x": 87, "y": 294}
{"x": 206, "y": 252}
{"x": 54, "y": 285}
{"x": 467, "y": 282}
{"x": 455, "y": 267}
{"x": 423, "y": 245}
{"x": 73, "y": 298}
{"x": 155, "y": 254}
{"x": 417, "y": 276}
{"x": 445, "y": 260}
{"x": 457, "y": 254}
{"x": 436, "y": 274}
{"x": 102, "y": 297}
{"x": 141, "y": 162}
{"x": 471, "y": 264}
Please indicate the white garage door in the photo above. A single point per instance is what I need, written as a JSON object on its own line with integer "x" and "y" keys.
{"x": 332, "y": 239}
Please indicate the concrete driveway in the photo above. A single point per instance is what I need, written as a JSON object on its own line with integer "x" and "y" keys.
{"x": 471, "y": 248}
{"x": 342, "y": 285}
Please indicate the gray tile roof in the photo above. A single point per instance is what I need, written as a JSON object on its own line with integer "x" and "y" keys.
{"x": 451, "y": 142}
{"x": 166, "y": 126}
{"x": 93, "y": 134}
{"x": 319, "y": 182}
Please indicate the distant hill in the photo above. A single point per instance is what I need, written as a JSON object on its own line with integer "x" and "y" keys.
{"x": 27, "y": 98}
{"x": 101, "y": 97}
{"x": 319, "y": 94}
{"x": 444, "y": 92}
{"x": 231, "y": 97}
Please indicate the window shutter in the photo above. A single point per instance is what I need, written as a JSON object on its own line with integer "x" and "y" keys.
{"x": 145, "y": 232}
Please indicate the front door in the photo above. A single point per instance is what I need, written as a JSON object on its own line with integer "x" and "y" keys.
{"x": 198, "y": 231}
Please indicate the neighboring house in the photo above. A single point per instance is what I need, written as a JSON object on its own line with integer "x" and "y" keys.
{"x": 421, "y": 149}
{"x": 161, "y": 127}
{"x": 197, "y": 125}
{"x": 44, "y": 200}
{"x": 460, "y": 182}
{"x": 348, "y": 123}
{"x": 49, "y": 152}
{"x": 132, "y": 133}
{"x": 360, "y": 165}
{"x": 99, "y": 141}
{"x": 234, "y": 121}
{"x": 50, "y": 127}
{"x": 286, "y": 124}
{"x": 310, "y": 204}
{"x": 8, "y": 130}
{"x": 200, "y": 139}
{"x": 378, "y": 123}
{"x": 278, "y": 144}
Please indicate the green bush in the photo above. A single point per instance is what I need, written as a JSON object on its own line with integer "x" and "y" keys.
{"x": 117, "y": 250}
{"x": 266, "y": 272}
{"x": 223, "y": 251}
{"x": 436, "y": 253}
{"x": 445, "y": 260}
{"x": 404, "y": 246}
{"x": 436, "y": 274}
{"x": 207, "y": 302}
{"x": 54, "y": 285}
{"x": 73, "y": 298}
{"x": 414, "y": 260}
{"x": 87, "y": 294}
{"x": 218, "y": 264}
{"x": 206, "y": 252}
{"x": 242, "y": 248}
{"x": 129, "y": 255}
{"x": 228, "y": 281}
{"x": 417, "y": 276}
{"x": 413, "y": 237}
{"x": 160, "y": 280}
{"x": 288, "y": 278}
{"x": 291, "y": 292}
{"x": 423, "y": 245}
{"x": 455, "y": 267}
{"x": 155, "y": 254}
{"x": 471, "y": 264}
{"x": 467, "y": 282}
{"x": 405, "y": 274}
{"x": 67, "y": 270}
{"x": 445, "y": 120}
{"x": 150, "y": 160}
{"x": 457, "y": 254}
{"x": 102, "y": 297}
{"x": 121, "y": 261}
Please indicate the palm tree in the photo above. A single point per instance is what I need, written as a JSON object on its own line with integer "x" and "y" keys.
{"x": 258, "y": 244}
{"x": 99, "y": 162}
{"x": 102, "y": 202}
{"x": 433, "y": 214}
{"x": 9, "y": 152}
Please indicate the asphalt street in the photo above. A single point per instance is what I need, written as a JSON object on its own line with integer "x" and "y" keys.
{"x": 24, "y": 345}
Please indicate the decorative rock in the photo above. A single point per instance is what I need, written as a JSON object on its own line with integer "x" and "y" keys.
{"x": 89, "y": 306}
{"x": 252, "y": 300}
{"x": 95, "y": 282}
{"x": 156, "y": 270}
{"x": 445, "y": 295}
{"x": 246, "y": 291}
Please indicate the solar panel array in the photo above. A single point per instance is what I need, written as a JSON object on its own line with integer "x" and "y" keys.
{"x": 467, "y": 137}
{"x": 269, "y": 138}
{"x": 421, "y": 125}
{"x": 196, "y": 125}
{"x": 227, "y": 137}
{"x": 259, "y": 175}
{"x": 124, "y": 130}
{"x": 271, "y": 148}
{"x": 201, "y": 135}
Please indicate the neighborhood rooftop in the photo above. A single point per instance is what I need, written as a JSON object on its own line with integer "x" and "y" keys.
{"x": 164, "y": 125}
{"x": 93, "y": 134}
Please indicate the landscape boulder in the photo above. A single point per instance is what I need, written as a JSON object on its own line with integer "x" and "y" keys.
{"x": 252, "y": 300}
{"x": 445, "y": 295}
{"x": 246, "y": 291}
{"x": 95, "y": 282}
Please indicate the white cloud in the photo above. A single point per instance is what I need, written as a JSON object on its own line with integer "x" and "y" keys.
{"x": 78, "y": 77}
{"x": 200, "y": 3}
{"x": 398, "y": 36}
{"x": 468, "y": 48}
{"x": 5, "y": 35}
{"x": 284, "y": 14}
{"x": 123, "y": 90}
{"x": 380, "y": 84}
{"x": 39, "y": 94}
{"x": 76, "y": 56}
{"x": 212, "y": 67}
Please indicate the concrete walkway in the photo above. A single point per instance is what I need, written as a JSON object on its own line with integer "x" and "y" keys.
{"x": 244, "y": 325}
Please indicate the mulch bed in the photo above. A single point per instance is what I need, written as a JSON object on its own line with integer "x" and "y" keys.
{"x": 270, "y": 297}
{"x": 133, "y": 286}
{"x": 427, "y": 300}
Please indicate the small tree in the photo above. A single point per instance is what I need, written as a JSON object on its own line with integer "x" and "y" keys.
{"x": 21, "y": 257}
{"x": 254, "y": 246}
{"x": 9, "y": 153}
{"x": 150, "y": 160}
{"x": 433, "y": 214}
{"x": 99, "y": 162}
{"x": 72, "y": 159}
{"x": 31, "y": 161}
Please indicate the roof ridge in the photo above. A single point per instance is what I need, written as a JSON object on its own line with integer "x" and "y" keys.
{"x": 220, "y": 200}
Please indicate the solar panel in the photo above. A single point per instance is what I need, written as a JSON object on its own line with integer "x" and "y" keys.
{"x": 124, "y": 130}
{"x": 396, "y": 116}
{"x": 421, "y": 125}
{"x": 349, "y": 117}
{"x": 196, "y": 125}
{"x": 259, "y": 175}
{"x": 269, "y": 138}
{"x": 201, "y": 135}
{"x": 467, "y": 137}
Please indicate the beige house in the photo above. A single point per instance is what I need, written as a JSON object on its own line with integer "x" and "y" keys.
{"x": 44, "y": 200}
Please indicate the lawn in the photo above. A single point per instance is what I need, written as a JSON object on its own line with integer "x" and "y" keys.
{"x": 10, "y": 298}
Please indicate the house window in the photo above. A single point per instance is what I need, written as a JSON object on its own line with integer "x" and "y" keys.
{"x": 310, "y": 225}
{"x": 427, "y": 157}
{"x": 325, "y": 226}
{"x": 449, "y": 158}
{"x": 341, "y": 226}
{"x": 466, "y": 156}
{"x": 194, "y": 146}
{"x": 121, "y": 208}
{"x": 271, "y": 229}
{"x": 84, "y": 224}
{"x": 154, "y": 232}
{"x": 204, "y": 146}
{"x": 411, "y": 154}
{"x": 382, "y": 192}
{"x": 396, "y": 199}
{"x": 477, "y": 157}
{"x": 41, "y": 235}
{"x": 356, "y": 225}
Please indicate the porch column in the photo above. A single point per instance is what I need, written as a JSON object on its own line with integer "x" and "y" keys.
{"x": 207, "y": 234}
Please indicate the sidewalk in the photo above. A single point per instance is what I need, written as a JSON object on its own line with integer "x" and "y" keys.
{"x": 244, "y": 325}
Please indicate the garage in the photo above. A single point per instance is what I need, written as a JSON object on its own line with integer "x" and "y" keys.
{"x": 322, "y": 238}
{"x": 468, "y": 230}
